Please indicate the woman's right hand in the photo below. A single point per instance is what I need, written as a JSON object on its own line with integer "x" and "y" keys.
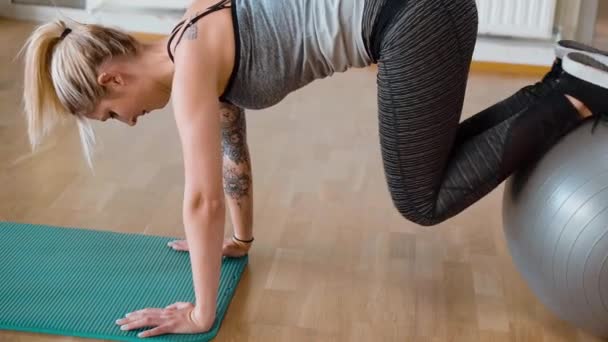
{"x": 230, "y": 247}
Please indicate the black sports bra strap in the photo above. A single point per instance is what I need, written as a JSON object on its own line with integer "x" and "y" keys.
{"x": 216, "y": 7}
{"x": 175, "y": 30}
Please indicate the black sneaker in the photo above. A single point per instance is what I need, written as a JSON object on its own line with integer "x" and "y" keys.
{"x": 564, "y": 47}
{"x": 549, "y": 86}
{"x": 585, "y": 77}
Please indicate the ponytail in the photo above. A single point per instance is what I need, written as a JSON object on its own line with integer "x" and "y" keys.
{"x": 60, "y": 80}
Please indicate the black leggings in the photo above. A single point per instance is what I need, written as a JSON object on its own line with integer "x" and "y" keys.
{"x": 436, "y": 166}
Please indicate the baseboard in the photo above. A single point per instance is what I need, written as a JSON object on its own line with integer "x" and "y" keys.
{"x": 502, "y": 68}
{"x": 508, "y": 68}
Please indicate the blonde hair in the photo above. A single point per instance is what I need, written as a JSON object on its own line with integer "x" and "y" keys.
{"x": 60, "y": 80}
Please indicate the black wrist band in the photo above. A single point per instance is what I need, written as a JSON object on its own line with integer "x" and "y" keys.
{"x": 246, "y": 241}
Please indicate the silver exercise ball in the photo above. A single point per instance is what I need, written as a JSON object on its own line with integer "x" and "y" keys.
{"x": 555, "y": 219}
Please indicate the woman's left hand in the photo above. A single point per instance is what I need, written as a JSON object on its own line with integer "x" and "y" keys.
{"x": 177, "y": 318}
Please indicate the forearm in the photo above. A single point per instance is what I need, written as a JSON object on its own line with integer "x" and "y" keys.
{"x": 237, "y": 174}
{"x": 204, "y": 230}
{"x": 238, "y": 188}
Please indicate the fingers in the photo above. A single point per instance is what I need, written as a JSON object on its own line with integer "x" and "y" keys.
{"x": 174, "y": 319}
{"x": 143, "y": 311}
{"x": 147, "y": 321}
{"x": 230, "y": 247}
{"x": 160, "y": 330}
{"x": 141, "y": 318}
{"x": 179, "y": 245}
{"x": 234, "y": 250}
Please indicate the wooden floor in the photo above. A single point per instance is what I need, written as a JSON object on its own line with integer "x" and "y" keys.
{"x": 332, "y": 261}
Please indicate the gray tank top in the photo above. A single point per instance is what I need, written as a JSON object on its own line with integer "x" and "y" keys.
{"x": 283, "y": 45}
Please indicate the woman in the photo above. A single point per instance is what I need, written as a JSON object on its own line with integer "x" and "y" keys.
{"x": 228, "y": 56}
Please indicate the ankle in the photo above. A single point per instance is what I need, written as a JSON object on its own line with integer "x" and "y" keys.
{"x": 582, "y": 109}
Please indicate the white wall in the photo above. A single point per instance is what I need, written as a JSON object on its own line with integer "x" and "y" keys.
{"x": 574, "y": 19}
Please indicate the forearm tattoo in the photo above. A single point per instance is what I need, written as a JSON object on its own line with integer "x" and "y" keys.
{"x": 237, "y": 178}
{"x": 234, "y": 130}
{"x": 236, "y": 184}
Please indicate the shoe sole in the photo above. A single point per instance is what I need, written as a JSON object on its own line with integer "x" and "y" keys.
{"x": 564, "y": 47}
{"x": 586, "y": 68}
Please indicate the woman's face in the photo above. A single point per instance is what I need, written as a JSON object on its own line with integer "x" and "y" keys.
{"x": 128, "y": 97}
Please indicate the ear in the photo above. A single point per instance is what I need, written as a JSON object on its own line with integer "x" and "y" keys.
{"x": 107, "y": 79}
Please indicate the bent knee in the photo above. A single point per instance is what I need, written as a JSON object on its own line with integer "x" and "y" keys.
{"x": 426, "y": 218}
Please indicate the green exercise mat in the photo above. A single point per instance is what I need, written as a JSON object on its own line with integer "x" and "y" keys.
{"x": 78, "y": 282}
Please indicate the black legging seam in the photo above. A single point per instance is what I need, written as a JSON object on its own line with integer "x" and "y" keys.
{"x": 458, "y": 40}
{"x": 406, "y": 192}
{"x": 463, "y": 66}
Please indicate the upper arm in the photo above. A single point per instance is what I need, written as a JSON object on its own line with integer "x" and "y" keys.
{"x": 195, "y": 94}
